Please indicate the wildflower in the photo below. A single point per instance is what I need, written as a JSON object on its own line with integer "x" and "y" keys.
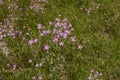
{"x": 57, "y": 24}
{"x": 42, "y": 34}
{"x": 31, "y": 42}
{"x": 50, "y": 23}
{"x": 8, "y": 64}
{"x": 57, "y": 19}
{"x": 48, "y": 31}
{"x": 35, "y": 40}
{"x": 40, "y": 64}
{"x": 89, "y": 78}
{"x": 39, "y": 26}
{"x": 65, "y": 36}
{"x": 73, "y": 39}
{"x": 37, "y": 65}
{"x": 14, "y": 67}
{"x": 1, "y": 2}
{"x": 40, "y": 78}
{"x": 55, "y": 39}
{"x": 94, "y": 75}
{"x": 100, "y": 74}
{"x": 61, "y": 43}
{"x": 79, "y": 46}
{"x": 27, "y": 33}
{"x": 30, "y": 61}
{"x": 33, "y": 77}
{"x": 46, "y": 47}
{"x": 67, "y": 31}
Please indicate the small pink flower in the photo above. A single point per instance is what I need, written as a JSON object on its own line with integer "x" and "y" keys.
{"x": 46, "y": 47}
{"x": 57, "y": 24}
{"x": 61, "y": 43}
{"x": 73, "y": 39}
{"x": 79, "y": 46}
{"x": 65, "y": 20}
{"x": 1, "y": 2}
{"x": 37, "y": 65}
{"x": 55, "y": 39}
{"x": 89, "y": 78}
{"x": 39, "y": 26}
{"x": 40, "y": 64}
{"x": 14, "y": 67}
{"x": 57, "y": 19}
{"x": 40, "y": 78}
{"x": 35, "y": 40}
{"x": 42, "y": 34}
{"x": 67, "y": 31}
{"x": 65, "y": 36}
{"x": 31, "y": 42}
{"x": 48, "y": 31}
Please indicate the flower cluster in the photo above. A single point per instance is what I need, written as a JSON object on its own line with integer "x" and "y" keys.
{"x": 39, "y": 77}
{"x": 1, "y": 2}
{"x": 60, "y": 32}
{"x": 95, "y": 75}
{"x": 6, "y": 31}
{"x": 14, "y": 67}
{"x": 94, "y": 6}
{"x": 33, "y": 41}
{"x": 38, "y": 5}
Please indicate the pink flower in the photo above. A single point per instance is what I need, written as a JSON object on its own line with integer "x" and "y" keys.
{"x": 73, "y": 39}
{"x": 39, "y": 26}
{"x": 42, "y": 34}
{"x": 48, "y": 31}
{"x": 35, "y": 40}
{"x": 64, "y": 36}
{"x": 37, "y": 65}
{"x": 65, "y": 20}
{"x": 57, "y": 19}
{"x": 46, "y": 47}
{"x": 55, "y": 39}
{"x": 1, "y": 2}
{"x": 89, "y": 78}
{"x": 57, "y": 24}
{"x": 31, "y": 42}
{"x": 40, "y": 78}
{"x": 14, "y": 67}
{"x": 67, "y": 31}
{"x": 80, "y": 46}
{"x": 40, "y": 64}
{"x": 61, "y": 43}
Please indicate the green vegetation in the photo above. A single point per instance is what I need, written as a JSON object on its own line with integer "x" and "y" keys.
{"x": 91, "y": 51}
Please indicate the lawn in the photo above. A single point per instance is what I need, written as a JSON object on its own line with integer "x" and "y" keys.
{"x": 59, "y": 39}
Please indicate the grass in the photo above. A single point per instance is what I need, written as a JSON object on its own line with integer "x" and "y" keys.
{"x": 96, "y": 28}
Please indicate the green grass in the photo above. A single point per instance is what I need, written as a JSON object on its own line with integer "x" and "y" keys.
{"x": 99, "y": 33}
